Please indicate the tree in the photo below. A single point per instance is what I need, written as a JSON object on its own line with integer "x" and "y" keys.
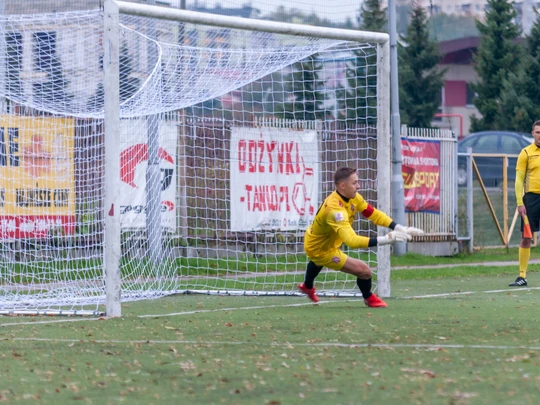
{"x": 358, "y": 100}
{"x": 372, "y": 17}
{"x": 520, "y": 98}
{"x": 307, "y": 99}
{"x": 420, "y": 79}
{"x": 495, "y": 59}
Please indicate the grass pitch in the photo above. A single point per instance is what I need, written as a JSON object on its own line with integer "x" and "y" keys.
{"x": 463, "y": 340}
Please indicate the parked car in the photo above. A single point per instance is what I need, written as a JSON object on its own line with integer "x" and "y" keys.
{"x": 492, "y": 142}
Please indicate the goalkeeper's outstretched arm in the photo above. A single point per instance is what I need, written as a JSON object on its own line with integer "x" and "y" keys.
{"x": 380, "y": 218}
{"x": 351, "y": 239}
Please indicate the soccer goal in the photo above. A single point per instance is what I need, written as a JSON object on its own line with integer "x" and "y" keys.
{"x": 149, "y": 151}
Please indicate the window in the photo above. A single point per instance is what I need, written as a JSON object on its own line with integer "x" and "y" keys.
{"x": 510, "y": 145}
{"x": 455, "y": 92}
{"x": 44, "y": 50}
{"x": 486, "y": 144}
{"x": 468, "y": 143}
{"x": 13, "y": 63}
{"x": 470, "y": 95}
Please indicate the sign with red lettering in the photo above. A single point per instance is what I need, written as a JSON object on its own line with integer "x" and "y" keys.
{"x": 133, "y": 165}
{"x": 421, "y": 175}
{"x": 274, "y": 178}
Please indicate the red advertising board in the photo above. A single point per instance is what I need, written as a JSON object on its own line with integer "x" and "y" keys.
{"x": 421, "y": 175}
{"x": 35, "y": 226}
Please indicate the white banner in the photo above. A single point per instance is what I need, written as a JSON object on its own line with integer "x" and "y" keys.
{"x": 133, "y": 164}
{"x": 274, "y": 178}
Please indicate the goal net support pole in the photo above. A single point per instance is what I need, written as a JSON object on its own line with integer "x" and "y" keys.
{"x": 112, "y": 248}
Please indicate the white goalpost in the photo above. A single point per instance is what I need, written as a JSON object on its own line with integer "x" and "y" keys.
{"x": 148, "y": 151}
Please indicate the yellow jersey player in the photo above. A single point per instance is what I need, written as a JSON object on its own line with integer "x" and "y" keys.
{"x": 528, "y": 200}
{"x": 332, "y": 226}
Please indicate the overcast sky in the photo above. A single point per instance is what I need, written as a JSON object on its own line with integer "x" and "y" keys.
{"x": 334, "y": 10}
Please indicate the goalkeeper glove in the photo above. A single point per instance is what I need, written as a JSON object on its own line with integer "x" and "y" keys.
{"x": 410, "y": 230}
{"x": 392, "y": 237}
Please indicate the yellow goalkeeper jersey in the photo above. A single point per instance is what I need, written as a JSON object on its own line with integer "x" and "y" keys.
{"x": 333, "y": 224}
{"x": 529, "y": 163}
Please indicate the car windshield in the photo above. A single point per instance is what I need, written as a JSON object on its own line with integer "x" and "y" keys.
{"x": 511, "y": 145}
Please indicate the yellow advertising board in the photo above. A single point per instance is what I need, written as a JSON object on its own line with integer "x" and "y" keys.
{"x": 37, "y": 183}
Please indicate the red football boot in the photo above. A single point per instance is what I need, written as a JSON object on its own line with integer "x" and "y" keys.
{"x": 375, "y": 302}
{"x": 310, "y": 292}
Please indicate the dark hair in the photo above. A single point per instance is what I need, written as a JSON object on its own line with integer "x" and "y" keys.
{"x": 536, "y": 124}
{"x": 343, "y": 173}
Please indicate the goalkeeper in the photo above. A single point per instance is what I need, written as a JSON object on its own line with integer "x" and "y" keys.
{"x": 333, "y": 225}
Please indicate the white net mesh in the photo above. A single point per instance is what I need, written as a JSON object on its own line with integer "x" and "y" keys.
{"x": 251, "y": 127}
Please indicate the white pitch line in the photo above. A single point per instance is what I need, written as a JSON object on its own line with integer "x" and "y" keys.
{"x": 47, "y": 322}
{"x": 202, "y": 311}
{"x": 284, "y": 344}
{"x": 470, "y": 292}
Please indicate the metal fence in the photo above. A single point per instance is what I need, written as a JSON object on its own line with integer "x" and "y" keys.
{"x": 439, "y": 227}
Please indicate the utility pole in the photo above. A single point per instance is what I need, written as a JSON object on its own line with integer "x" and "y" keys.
{"x": 398, "y": 197}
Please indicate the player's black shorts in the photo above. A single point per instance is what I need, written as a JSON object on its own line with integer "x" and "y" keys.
{"x": 532, "y": 205}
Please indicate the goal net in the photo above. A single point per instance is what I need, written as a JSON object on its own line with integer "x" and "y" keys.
{"x": 147, "y": 151}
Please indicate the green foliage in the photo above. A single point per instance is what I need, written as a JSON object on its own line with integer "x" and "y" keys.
{"x": 497, "y": 56}
{"x": 305, "y": 86}
{"x": 419, "y": 78}
{"x": 359, "y": 99}
{"x": 372, "y": 17}
{"x": 520, "y": 99}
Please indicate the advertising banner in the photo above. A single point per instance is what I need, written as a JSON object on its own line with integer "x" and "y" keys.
{"x": 133, "y": 164}
{"x": 421, "y": 175}
{"x": 274, "y": 178}
{"x": 37, "y": 185}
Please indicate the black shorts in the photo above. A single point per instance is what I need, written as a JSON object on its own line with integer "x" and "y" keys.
{"x": 532, "y": 205}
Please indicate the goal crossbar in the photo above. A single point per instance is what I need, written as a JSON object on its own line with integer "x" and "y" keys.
{"x": 275, "y": 27}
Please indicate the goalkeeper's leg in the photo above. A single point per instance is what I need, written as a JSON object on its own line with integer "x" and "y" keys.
{"x": 312, "y": 272}
{"x": 363, "y": 275}
{"x": 306, "y": 287}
